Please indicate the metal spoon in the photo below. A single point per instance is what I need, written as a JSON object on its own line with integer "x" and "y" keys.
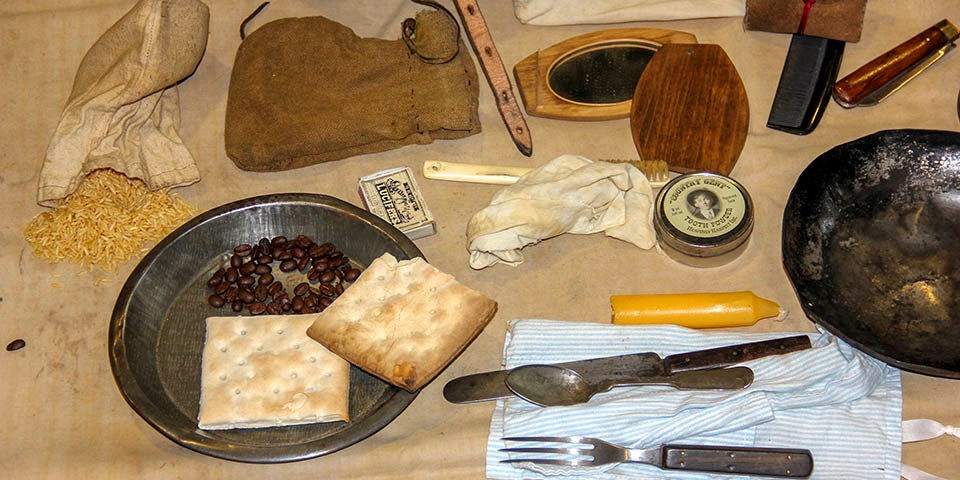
{"x": 552, "y": 385}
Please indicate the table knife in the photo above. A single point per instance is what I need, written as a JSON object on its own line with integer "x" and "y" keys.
{"x": 492, "y": 385}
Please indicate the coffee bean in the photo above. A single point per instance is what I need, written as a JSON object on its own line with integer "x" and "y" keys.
{"x": 327, "y": 277}
{"x": 215, "y": 280}
{"x": 303, "y": 241}
{"x": 257, "y": 308}
{"x": 296, "y": 304}
{"x": 216, "y": 301}
{"x": 16, "y": 345}
{"x": 351, "y": 274}
{"x": 278, "y": 241}
{"x": 260, "y": 293}
{"x": 246, "y": 296}
{"x": 247, "y": 268}
{"x": 249, "y": 281}
{"x": 231, "y": 294}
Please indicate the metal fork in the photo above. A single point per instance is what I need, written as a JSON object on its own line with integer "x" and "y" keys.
{"x": 773, "y": 462}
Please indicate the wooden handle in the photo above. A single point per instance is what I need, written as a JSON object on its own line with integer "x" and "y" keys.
{"x": 774, "y": 462}
{"x": 855, "y": 87}
{"x": 734, "y": 354}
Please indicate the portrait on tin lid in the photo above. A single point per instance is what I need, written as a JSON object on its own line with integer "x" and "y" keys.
{"x": 703, "y": 204}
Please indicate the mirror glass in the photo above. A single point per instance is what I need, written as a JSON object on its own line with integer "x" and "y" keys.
{"x": 601, "y": 74}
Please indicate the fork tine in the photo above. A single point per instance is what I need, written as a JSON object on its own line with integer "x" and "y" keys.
{"x": 560, "y": 451}
{"x": 550, "y": 461}
{"x": 549, "y": 439}
{"x": 577, "y": 453}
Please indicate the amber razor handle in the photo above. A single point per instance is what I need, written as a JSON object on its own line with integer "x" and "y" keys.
{"x": 878, "y": 79}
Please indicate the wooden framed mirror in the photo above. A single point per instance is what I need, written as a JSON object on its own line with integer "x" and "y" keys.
{"x": 590, "y": 76}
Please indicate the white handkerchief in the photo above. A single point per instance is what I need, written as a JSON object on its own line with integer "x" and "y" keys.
{"x": 572, "y": 12}
{"x": 831, "y": 399}
{"x": 570, "y": 194}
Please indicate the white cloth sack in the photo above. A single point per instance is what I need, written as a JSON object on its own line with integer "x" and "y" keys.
{"x": 921, "y": 430}
{"x": 842, "y": 405}
{"x": 124, "y": 111}
{"x": 572, "y": 12}
{"x": 570, "y": 194}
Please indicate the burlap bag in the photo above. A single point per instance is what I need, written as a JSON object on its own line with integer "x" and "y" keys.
{"x": 309, "y": 90}
{"x": 124, "y": 111}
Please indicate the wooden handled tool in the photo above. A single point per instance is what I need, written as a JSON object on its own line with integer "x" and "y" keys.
{"x": 878, "y": 79}
{"x": 496, "y": 74}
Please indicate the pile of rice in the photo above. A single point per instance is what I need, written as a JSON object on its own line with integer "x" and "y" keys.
{"x": 106, "y": 221}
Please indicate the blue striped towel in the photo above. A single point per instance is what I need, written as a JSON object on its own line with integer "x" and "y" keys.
{"x": 833, "y": 400}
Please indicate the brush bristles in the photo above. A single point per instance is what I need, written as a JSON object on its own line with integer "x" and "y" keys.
{"x": 654, "y": 170}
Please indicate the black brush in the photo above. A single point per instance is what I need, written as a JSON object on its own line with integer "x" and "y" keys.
{"x": 806, "y": 83}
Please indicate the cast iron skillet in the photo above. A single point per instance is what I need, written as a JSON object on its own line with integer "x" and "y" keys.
{"x": 871, "y": 242}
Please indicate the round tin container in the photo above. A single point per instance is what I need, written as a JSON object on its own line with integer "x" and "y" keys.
{"x": 703, "y": 219}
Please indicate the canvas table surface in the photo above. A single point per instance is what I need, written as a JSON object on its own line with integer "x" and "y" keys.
{"x": 63, "y": 416}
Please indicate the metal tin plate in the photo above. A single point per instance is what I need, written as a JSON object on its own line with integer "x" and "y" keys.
{"x": 870, "y": 235}
{"x": 157, "y": 328}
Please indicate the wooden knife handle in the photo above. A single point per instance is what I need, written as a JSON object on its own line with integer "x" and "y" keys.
{"x": 853, "y": 88}
{"x": 734, "y": 354}
{"x": 773, "y": 462}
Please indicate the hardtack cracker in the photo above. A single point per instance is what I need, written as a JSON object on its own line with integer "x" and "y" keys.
{"x": 403, "y": 321}
{"x": 264, "y": 372}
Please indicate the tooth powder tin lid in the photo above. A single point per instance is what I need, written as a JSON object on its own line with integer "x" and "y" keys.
{"x": 703, "y": 215}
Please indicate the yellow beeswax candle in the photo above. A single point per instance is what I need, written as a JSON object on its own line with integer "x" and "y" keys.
{"x": 693, "y": 310}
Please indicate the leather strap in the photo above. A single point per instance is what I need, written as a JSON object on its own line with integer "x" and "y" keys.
{"x": 495, "y": 72}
